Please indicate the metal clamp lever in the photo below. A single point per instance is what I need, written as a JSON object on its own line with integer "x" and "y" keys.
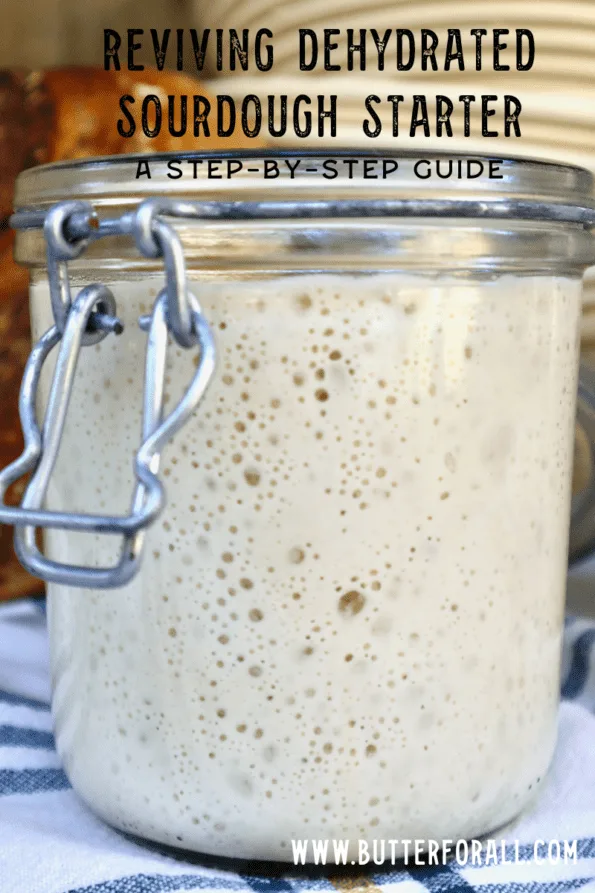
{"x": 41, "y": 449}
{"x": 87, "y": 319}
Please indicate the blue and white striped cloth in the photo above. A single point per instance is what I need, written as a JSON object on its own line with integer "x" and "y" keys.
{"x": 51, "y": 843}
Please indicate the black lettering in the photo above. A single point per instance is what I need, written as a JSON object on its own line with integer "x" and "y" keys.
{"x": 263, "y": 66}
{"x": 330, "y": 167}
{"x": 292, "y": 168}
{"x": 429, "y": 43}
{"x": 419, "y": 115}
{"x": 213, "y": 169}
{"x": 202, "y": 108}
{"x": 353, "y": 48}
{"x": 271, "y": 169}
{"x": 143, "y": 170}
{"x": 132, "y": 47}
{"x": 199, "y": 49}
{"x": 297, "y": 129}
{"x": 330, "y": 113}
{"x": 380, "y": 43}
{"x": 225, "y": 102}
{"x": 486, "y": 113}
{"x": 441, "y": 172}
{"x": 219, "y": 51}
{"x": 395, "y": 99}
{"x": 494, "y": 169}
{"x": 174, "y": 170}
{"x": 311, "y": 64}
{"x": 281, "y": 130}
{"x": 111, "y": 44}
{"x": 370, "y": 169}
{"x": 350, "y": 163}
{"x": 401, "y": 64}
{"x": 124, "y": 101}
{"x": 499, "y": 45}
{"x": 479, "y": 34}
{"x": 181, "y": 130}
{"x": 444, "y": 109}
{"x": 254, "y": 129}
{"x": 520, "y": 33}
{"x": 512, "y": 110}
{"x": 417, "y": 169}
{"x": 467, "y": 99}
{"x": 151, "y": 100}
{"x": 377, "y": 129}
{"x": 238, "y": 50}
{"x": 160, "y": 49}
{"x": 328, "y": 47}
{"x": 478, "y": 169}
{"x": 389, "y": 166}
{"x": 454, "y": 50}
{"x": 180, "y": 49}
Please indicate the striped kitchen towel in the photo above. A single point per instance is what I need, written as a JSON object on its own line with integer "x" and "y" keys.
{"x": 51, "y": 843}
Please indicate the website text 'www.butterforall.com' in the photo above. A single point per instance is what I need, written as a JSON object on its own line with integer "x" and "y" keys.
{"x": 432, "y": 852}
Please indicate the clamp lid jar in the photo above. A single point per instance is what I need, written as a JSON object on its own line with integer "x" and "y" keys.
{"x": 345, "y": 620}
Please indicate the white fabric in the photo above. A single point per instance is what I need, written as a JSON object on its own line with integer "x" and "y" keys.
{"x": 51, "y": 843}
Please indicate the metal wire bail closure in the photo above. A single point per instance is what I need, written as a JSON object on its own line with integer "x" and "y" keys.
{"x": 156, "y": 238}
{"x": 68, "y": 228}
{"x": 61, "y": 249}
{"x": 84, "y": 320}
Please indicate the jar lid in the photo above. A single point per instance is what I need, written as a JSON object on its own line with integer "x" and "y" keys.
{"x": 334, "y": 183}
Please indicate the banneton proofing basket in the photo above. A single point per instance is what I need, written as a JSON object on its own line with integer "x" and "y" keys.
{"x": 346, "y": 619}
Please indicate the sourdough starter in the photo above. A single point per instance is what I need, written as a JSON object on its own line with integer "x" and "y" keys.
{"x": 347, "y": 622}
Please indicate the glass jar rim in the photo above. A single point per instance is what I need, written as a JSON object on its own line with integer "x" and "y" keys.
{"x": 421, "y": 183}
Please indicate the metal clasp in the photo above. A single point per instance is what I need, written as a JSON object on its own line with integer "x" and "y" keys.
{"x": 86, "y": 320}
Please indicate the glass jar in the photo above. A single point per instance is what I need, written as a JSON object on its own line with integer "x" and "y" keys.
{"x": 346, "y": 622}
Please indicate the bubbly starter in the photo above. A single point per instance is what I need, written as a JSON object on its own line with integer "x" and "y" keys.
{"x": 347, "y": 623}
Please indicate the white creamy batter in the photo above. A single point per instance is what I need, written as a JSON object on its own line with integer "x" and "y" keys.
{"x": 348, "y": 619}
